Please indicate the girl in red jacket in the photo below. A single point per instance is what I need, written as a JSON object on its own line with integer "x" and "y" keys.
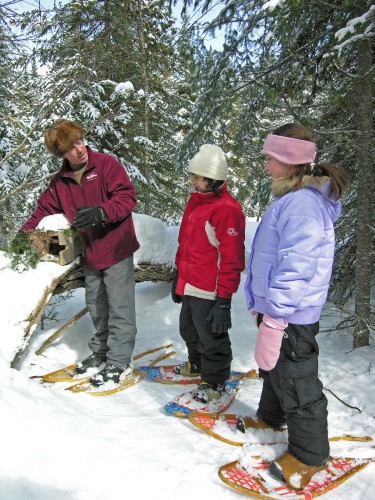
{"x": 209, "y": 262}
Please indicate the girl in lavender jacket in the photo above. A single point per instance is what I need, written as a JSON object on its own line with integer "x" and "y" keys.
{"x": 287, "y": 284}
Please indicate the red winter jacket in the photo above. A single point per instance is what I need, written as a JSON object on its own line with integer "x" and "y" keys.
{"x": 105, "y": 184}
{"x": 211, "y": 252}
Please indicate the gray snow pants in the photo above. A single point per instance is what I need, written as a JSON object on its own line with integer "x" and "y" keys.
{"x": 110, "y": 298}
{"x": 211, "y": 352}
{"x": 292, "y": 392}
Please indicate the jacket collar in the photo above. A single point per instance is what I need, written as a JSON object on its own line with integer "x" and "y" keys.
{"x": 210, "y": 194}
{"x": 284, "y": 185}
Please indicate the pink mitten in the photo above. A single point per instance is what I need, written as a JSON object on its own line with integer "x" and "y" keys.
{"x": 268, "y": 343}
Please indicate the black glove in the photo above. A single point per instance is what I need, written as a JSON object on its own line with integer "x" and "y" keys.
{"x": 176, "y": 298}
{"x": 88, "y": 216}
{"x": 220, "y": 316}
{"x": 19, "y": 243}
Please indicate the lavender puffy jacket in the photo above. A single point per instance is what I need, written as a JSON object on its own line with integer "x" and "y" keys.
{"x": 292, "y": 255}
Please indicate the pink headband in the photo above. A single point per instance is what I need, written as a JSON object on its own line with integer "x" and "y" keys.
{"x": 289, "y": 150}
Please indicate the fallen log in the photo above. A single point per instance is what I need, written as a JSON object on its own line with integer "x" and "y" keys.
{"x": 72, "y": 279}
{"x": 144, "y": 271}
{"x": 35, "y": 317}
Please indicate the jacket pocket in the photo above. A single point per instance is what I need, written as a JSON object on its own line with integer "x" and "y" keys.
{"x": 261, "y": 281}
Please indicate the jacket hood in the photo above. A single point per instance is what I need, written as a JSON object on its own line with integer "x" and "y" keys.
{"x": 209, "y": 194}
{"x": 321, "y": 184}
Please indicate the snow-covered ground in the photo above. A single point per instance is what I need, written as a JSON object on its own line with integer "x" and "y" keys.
{"x": 57, "y": 445}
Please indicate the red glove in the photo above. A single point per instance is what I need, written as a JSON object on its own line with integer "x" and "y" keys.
{"x": 268, "y": 343}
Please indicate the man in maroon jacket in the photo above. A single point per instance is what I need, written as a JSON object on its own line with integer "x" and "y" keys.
{"x": 96, "y": 195}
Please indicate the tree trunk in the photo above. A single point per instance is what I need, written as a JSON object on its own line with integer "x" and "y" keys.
{"x": 365, "y": 194}
{"x": 146, "y": 87}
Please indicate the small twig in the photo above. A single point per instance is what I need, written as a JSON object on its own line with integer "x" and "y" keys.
{"x": 60, "y": 330}
{"x": 343, "y": 402}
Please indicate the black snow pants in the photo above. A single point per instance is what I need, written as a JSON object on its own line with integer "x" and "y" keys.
{"x": 211, "y": 352}
{"x": 293, "y": 393}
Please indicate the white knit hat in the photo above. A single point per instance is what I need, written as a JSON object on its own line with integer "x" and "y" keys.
{"x": 209, "y": 162}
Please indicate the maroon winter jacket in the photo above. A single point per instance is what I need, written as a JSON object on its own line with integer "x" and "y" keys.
{"x": 105, "y": 184}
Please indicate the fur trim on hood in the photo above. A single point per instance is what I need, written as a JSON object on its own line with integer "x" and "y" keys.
{"x": 284, "y": 185}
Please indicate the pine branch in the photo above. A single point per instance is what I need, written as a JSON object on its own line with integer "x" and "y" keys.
{"x": 26, "y": 183}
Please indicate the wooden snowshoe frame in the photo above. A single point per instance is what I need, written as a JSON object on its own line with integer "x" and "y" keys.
{"x": 255, "y": 485}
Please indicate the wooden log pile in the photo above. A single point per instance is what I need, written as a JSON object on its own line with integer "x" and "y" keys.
{"x": 143, "y": 272}
{"x": 64, "y": 246}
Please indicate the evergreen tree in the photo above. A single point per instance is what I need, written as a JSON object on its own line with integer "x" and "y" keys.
{"x": 133, "y": 43}
{"x": 13, "y": 134}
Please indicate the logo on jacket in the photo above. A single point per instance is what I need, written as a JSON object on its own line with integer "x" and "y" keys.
{"x": 232, "y": 232}
{"x": 91, "y": 177}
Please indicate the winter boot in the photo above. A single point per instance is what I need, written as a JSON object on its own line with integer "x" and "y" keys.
{"x": 111, "y": 373}
{"x": 93, "y": 361}
{"x": 290, "y": 470}
{"x": 205, "y": 393}
{"x": 187, "y": 369}
{"x": 256, "y": 422}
